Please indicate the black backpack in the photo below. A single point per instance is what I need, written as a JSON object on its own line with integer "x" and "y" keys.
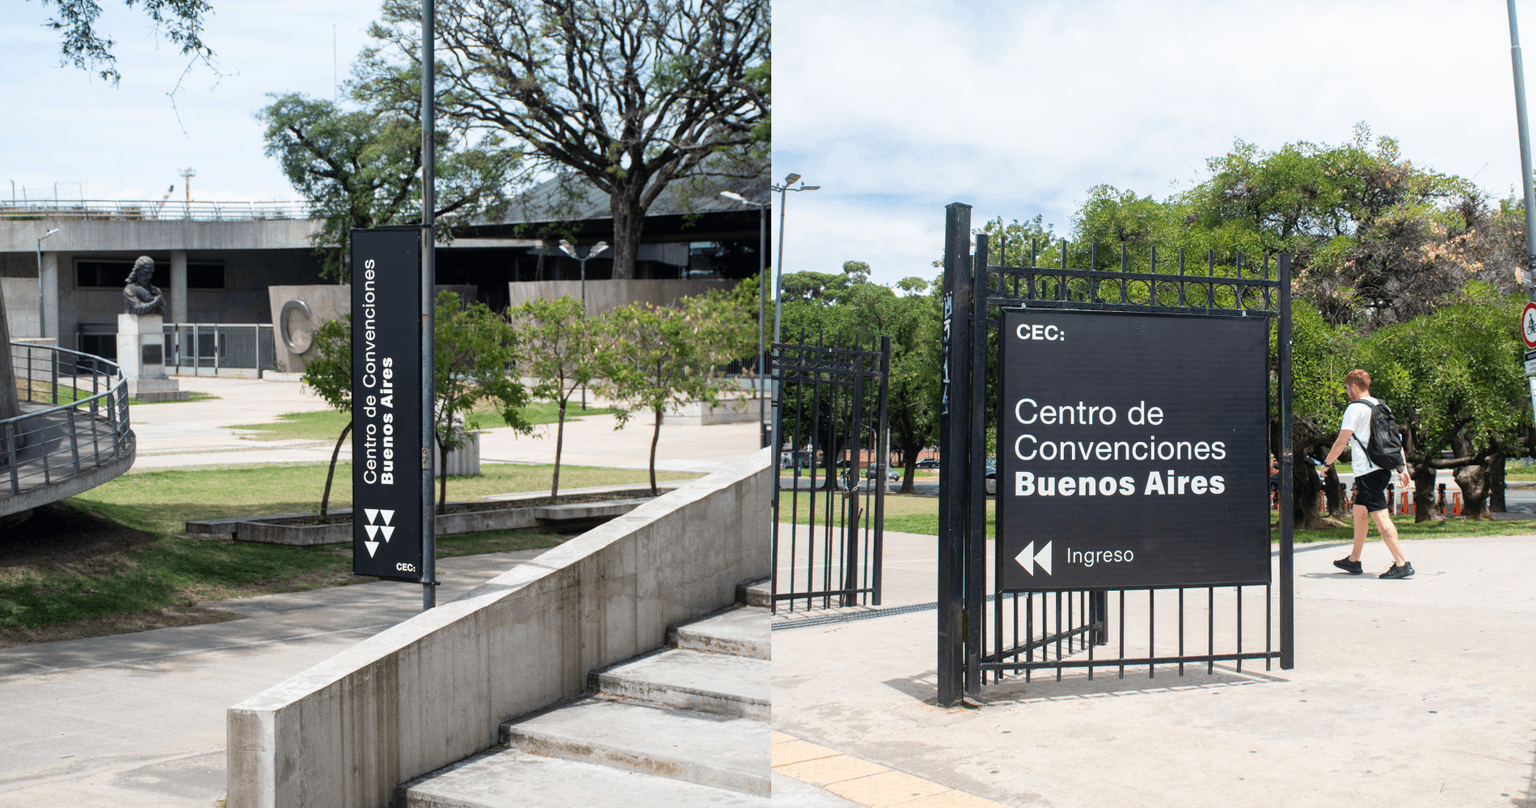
{"x": 1386, "y": 447}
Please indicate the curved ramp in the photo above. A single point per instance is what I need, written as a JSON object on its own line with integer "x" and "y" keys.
{"x": 56, "y": 450}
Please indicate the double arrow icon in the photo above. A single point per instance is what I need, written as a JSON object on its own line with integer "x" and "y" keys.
{"x": 374, "y": 530}
{"x": 1029, "y": 558}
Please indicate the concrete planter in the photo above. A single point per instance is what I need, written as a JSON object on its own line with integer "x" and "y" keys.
{"x": 293, "y": 531}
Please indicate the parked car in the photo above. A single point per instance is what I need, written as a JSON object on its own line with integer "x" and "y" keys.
{"x": 928, "y": 463}
{"x": 890, "y": 473}
{"x": 992, "y": 481}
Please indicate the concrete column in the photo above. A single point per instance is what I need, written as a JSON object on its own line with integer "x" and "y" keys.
{"x": 178, "y": 291}
{"x": 48, "y": 286}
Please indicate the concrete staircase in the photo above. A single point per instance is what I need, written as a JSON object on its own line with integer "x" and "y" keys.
{"x": 684, "y": 726}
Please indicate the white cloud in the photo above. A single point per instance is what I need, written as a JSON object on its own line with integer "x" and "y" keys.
{"x": 899, "y": 108}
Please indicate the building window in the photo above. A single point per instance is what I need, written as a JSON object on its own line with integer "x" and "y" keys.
{"x": 112, "y": 274}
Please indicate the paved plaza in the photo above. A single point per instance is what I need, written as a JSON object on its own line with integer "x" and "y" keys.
{"x": 1405, "y": 693}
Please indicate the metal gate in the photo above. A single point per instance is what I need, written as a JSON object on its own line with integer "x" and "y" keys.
{"x": 987, "y": 632}
{"x": 830, "y": 473}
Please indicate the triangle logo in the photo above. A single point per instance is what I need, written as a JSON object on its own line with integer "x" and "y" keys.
{"x": 373, "y": 531}
{"x": 387, "y": 530}
{"x": 371, "y": 512}
{"x": 373, "y": 547}
{"x": 388, "y": 515}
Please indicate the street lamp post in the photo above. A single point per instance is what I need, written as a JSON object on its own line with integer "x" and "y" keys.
{"x": 778, "y": 282}
{"x": 762, "y": 292}
{"x": 568, "y": 249}
{"x": 42, "y": 330}
{"x": 778, "y": 269}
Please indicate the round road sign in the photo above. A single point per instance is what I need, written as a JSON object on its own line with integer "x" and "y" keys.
{"x": 1528, "y": 325}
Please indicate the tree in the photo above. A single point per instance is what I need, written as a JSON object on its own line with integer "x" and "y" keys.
{"x": 656, "y": 357}
{"x": 851, "y": 310}
{"x": 1454, "y": 380}
{"x": 474, "y": 350}
{"x": 329, "y": 374}
{"x": 476, "y": 354}
{"x": 631, "y": 96}
{"x": 557, "y": 350}
{"x": 181, "y": 20}
{"x": 361, "y": 167}
{"x": 1374, "y": 239}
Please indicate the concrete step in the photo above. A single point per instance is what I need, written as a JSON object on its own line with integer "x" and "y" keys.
{"x": 758, "y": 593}
{"x": 722, "y": 684}
{"x": 514, "y": 779}
{"x": 687, "y": 745}
{"x": 740, "y": 630}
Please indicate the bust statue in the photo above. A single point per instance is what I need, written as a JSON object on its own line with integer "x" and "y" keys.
{"x": 139, "y": 295}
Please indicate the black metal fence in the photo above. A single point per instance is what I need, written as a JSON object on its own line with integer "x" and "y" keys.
{"x": 830, "y": 474}
{"x": 986, "y": 633}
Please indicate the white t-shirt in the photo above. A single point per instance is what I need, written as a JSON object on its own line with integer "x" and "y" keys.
{"x": 1357, "y": 418}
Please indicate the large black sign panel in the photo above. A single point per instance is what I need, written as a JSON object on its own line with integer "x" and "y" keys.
{"x": 1131, "y": 450}
{"x": 386, "y": 403}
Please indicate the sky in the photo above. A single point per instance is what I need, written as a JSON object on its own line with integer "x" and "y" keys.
{"x": 897, "y": 108}
{"x": 68, "y": 127}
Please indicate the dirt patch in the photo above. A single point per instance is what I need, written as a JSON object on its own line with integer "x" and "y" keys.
{"x": 173, "y": 617}
{"x": 59, "y": 533}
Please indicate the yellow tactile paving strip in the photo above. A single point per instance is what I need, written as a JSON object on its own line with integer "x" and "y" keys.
{"x": 864, "y": 782}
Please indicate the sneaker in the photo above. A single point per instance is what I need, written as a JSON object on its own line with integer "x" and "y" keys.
{"x": 1398, "y": 571}
{"x": 1351, "y": 567}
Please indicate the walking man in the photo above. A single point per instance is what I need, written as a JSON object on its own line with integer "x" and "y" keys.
{"x": 1370, "y": 479}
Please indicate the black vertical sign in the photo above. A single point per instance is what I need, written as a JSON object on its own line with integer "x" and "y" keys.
{"x": 1131, "y": 450}
{"x": 386, "y": 403}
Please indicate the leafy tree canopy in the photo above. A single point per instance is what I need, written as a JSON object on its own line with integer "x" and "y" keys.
{"x": 1375, "y": 239}
{"x": 360, "y": 164}
{"x": 629, "y": 95}
{"x": 83, "y": 45}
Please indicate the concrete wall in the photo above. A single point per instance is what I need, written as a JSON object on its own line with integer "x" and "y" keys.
{"x": 605, "y": 295}
{"x": 75, "y": 235}
{"x": 325, "y": 302}
{"x": 434, "y": 689}
{"x": 20, "y": 305}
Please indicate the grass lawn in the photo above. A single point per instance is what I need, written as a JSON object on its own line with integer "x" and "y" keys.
{"x": 42, "y": 392}
{"x": 91, "y": 588}
{"x": 327, "y": 424}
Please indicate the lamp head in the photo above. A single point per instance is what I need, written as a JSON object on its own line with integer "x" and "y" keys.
{"x": 597, "y": 248}
{"x": 565, "y": 247}
{"x": 735, "y": 196}
{"x": 809, "y": 187}
{"x": 47, "y": 234}
{"x": 791, "y": 179}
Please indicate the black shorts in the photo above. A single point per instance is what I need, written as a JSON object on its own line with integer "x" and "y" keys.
{"x": 1371, "y": 490}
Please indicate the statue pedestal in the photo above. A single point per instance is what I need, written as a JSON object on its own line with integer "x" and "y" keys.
{"x": 141, "y": 354}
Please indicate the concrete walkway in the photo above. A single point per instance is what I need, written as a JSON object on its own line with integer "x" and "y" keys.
{"x": 138, "y": 719}
{"x": 198, "y": 433}
{"x": 1405, "y": 693}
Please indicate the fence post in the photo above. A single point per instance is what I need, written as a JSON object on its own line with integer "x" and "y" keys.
{"x": 953, "y": 456}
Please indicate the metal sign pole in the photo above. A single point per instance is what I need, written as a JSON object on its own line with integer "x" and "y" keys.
{"x": 1525, "y": 152}
{"x": 428, "y": 305}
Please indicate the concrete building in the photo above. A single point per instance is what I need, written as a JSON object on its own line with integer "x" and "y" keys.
{"x": 62, "y": 266}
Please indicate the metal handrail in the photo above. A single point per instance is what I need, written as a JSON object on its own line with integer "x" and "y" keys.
{"x": 162, "y": 210}
{"x": 63, "y": 439}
